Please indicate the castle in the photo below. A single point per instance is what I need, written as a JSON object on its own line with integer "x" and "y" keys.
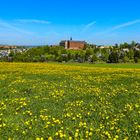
{"x": 73, "y": 45}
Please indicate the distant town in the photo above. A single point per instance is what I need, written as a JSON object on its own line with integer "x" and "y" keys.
{"x": 73, "y": 51}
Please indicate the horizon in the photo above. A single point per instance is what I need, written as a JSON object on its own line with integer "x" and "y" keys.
{"x": 42, "y": 45}
{"x": 33, "y": 23}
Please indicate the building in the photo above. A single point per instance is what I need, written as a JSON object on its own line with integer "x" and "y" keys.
{"x": 73, "y": 45}
{"x": 5, "y": 50}
{"x": 104, "y": 47}
{"x": 7, "y": 47}
{"x": 125, "y": 50}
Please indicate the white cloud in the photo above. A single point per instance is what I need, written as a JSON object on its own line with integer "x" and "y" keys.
{"x": 126, "y": 24}
{"x": 4, "y": 24}
{"x": 117, "y": 27}
{"x": 35, "y": 21}
{"x": 88, "y": 26}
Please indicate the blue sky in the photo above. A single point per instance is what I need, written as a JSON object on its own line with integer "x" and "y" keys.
{"x": 39, "y": 22}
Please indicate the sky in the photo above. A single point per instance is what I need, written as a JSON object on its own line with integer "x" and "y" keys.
{"x": 46, "y": 22}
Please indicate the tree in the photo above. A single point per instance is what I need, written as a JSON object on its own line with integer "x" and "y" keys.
{"x": 137, "y": 56}
{"x": 113, "y": 57}
{"x": 130, "y": 54}
{"x": 133, "y": 44}
{"x": 94, "y": 58}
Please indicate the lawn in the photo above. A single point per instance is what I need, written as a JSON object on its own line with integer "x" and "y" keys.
{"x": 108, "y": 65}
{"x": 40, "y": 101}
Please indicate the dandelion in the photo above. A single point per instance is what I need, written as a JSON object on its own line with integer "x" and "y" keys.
{"x": 50, "y": 138}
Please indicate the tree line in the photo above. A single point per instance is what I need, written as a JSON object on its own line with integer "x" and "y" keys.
{"x": 122, "y": 53}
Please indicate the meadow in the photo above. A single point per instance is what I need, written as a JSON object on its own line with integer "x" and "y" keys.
{"x": 40, "y": 101}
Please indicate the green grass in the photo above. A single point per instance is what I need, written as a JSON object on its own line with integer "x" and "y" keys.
{"x": 69, "y": 101}
{"x": 107, "y": 65}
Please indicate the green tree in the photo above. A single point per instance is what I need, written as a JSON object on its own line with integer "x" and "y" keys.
{"x": 113, "y": 57}
{"x": 137, "y": 56}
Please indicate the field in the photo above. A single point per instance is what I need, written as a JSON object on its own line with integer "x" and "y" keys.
{"x": 70, "y": 102}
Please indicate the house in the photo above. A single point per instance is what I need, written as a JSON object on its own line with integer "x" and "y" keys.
{"x": 137, "y": 47}
{"x": 5, "y": 50}
{"x": 7, "y": 47}
{"x": 125, "y": 50}
{"x": 73, "y": 45}
{"x": 104, "y": 47}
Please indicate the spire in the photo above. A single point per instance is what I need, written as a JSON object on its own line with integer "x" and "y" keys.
{"x": 71, "y": 38}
